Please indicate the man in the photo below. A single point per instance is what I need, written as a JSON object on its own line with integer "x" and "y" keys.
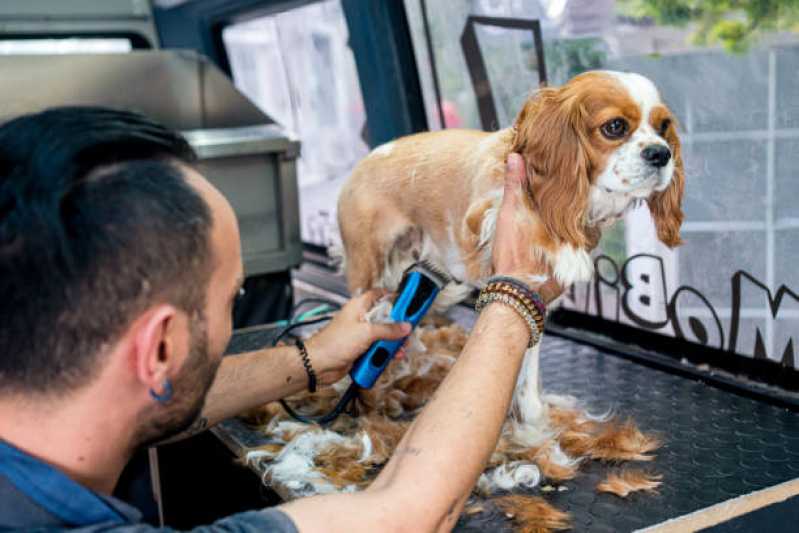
{"x": 119, "y": 266}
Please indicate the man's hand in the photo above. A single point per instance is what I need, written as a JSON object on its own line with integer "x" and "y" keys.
{"x": 512, "y": 253}
{"x": 333, "y": 349}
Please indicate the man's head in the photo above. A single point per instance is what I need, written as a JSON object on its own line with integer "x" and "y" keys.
{"x": 116, "y": 259}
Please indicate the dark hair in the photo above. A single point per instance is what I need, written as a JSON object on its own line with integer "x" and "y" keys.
{"x": 97, "y": 223}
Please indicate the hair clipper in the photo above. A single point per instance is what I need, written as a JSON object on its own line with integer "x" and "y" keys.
{"x": 420, "y": 285}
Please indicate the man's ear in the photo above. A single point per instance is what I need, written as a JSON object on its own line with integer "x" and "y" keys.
{"x": 157, "y": 342}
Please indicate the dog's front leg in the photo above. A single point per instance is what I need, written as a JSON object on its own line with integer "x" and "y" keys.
{"x": 528, "y": 411}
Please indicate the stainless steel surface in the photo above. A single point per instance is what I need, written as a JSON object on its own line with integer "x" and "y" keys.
{"x": 75, "y": 17}
{"x": 255, "y": 169}
{"x": 248, "y": 157}
{"x": 179, "y": 88}
{"x": 262, "y": 188}
{"x": 242, "y": 141}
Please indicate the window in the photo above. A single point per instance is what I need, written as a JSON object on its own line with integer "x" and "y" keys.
{"x": 297, "y": 67}
{"x": 66, "y": 45}
{"x": 732, "y": 82}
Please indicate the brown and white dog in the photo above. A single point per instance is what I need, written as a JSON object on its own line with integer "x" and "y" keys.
{"x": 594, "y": 147}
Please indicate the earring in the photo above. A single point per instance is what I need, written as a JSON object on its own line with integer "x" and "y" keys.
{"x": 165, "y": 396}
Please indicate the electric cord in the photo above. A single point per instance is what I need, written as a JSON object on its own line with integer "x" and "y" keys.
{"x": 348, "y": 399}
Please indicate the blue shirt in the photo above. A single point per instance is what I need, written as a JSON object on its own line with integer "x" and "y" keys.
{"x": 34, "y": 496}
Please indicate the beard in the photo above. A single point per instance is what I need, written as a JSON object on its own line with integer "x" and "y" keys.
{"x": 190, "y": 387}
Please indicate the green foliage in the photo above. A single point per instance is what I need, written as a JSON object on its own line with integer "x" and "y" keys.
{"x": 568, "y": 57}
{"x": 613, "y": 243}
{"x": 734, "y": 24}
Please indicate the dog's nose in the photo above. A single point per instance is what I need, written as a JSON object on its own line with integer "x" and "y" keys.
{"x": 656, "y": 155}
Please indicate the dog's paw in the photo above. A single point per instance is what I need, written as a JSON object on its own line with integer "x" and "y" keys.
{"x": 571, "y": 265}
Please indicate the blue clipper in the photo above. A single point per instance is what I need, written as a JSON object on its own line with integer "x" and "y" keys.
{"x": 420, "y": 285}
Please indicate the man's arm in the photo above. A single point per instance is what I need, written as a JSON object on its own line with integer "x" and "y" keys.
{"x": 252, "y": 379}
{"x": 249, "y": 380}
{"x": 425, "y": 484}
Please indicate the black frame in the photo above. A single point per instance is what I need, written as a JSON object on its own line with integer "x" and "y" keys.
{"x": 379, "y": 37}
{"x": 477, "y": 67}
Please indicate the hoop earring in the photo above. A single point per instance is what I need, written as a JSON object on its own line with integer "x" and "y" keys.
{"x": 165, "y": 396}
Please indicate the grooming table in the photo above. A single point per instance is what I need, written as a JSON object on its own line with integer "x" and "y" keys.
{"x": 724, "y": 455}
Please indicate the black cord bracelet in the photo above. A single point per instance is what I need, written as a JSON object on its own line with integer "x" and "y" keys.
{"x": 306, "y": 362}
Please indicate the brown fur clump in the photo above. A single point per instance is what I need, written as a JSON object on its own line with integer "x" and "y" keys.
{"x": 624, "y": 442}
{"x": 271, "y": 448}
{"x": 607, "y": 441}
{"x": 408, "y": 385}
{"x": 451, "y": 338}
{"x": 385, "y": 434}
{"x": 507, "y": 452}
{"x": 624, "y": 482}
{"x": 563, "y": 418}
{"x": 532, "y": 514}
{"x": 552, "y": 470}
{"x": 340, "y": 465}
{"x": 577, "y": 443}
{"x": 260, "y": 416}
{"x": 322, "y": 401}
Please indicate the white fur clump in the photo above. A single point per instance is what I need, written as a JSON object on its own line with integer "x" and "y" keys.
{"x": 564, "y": 401}
{"x": 530, "y": 435}
{"x": 509, "y": 477}
{"x": 278, "y": 428}
{"x": 451, "y": 294}
{"x": 366, "y": 447}
{"x": 294, "y": 466}
{"x": 561, "y": 458}
{"x": 600, "y": 417}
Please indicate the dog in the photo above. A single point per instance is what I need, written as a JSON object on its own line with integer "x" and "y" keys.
{"x": 595, "y": 147}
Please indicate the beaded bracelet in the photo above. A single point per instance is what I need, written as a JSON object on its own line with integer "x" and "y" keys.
{"x": 487, "y": 297}
{"x": 505, "y": 288}
{"x": 531, "y": 294}
{"x": 306, "y": 362}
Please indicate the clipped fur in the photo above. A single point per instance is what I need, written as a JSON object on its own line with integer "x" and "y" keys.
{"x": 623, "y": 482}
{"x": 303, "y": 460}
{"x": 532, "y": 514}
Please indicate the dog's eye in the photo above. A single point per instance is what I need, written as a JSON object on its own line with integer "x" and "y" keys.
{"x": 664, "y": 126}
{"x": 615, "y": 128}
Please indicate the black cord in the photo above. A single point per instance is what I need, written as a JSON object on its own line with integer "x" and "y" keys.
{"x": 350, "y": 396}
{"x": 347, "y": 401}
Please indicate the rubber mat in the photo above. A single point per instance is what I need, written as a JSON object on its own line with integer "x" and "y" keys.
{"x": 717, "y": 445}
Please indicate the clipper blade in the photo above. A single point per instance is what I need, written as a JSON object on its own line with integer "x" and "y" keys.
{"x": 439, "y": 276}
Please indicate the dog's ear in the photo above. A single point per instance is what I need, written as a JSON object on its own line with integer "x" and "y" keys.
{"x": 550, "y": 135}
{"x": 666, "y": 205}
